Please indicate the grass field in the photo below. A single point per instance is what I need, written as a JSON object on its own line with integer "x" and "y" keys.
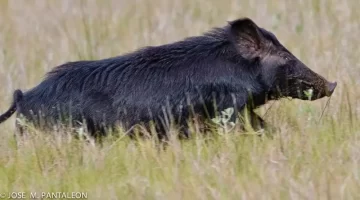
{"x": 309, "y": 157}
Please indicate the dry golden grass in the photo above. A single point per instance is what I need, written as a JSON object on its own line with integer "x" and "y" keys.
{"x": 308, "y": 158}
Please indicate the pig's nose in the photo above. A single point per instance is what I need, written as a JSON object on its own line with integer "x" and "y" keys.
{"x": 331, "y": 88}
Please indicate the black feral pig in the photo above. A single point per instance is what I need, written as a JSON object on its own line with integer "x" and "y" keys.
{"x": 239, "y": 65}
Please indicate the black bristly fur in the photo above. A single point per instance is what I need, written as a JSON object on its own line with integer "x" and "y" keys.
{"x": 154, "y": 83}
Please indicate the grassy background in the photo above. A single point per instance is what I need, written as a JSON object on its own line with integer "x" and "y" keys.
{"x": 308, "y": 158}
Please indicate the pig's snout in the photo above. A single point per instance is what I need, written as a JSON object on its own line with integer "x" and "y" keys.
{"x": 331, "y": 88}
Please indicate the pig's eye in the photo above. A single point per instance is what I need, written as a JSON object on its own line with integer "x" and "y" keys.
{"x": 287, "y": 58}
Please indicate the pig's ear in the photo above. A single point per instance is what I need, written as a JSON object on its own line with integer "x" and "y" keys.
{"x": 247, "y": 37}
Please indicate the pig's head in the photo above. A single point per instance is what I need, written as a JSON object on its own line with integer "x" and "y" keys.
{"x": 282, "y": 74}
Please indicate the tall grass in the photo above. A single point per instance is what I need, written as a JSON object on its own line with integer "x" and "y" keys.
{"x": 310, "y": 157}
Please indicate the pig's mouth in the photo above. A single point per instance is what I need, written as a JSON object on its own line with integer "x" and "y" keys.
{"x": 304, "y": 90}
{"x": 311, "y": 92}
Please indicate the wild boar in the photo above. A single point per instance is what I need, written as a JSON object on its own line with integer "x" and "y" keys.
{"x": 238, "y": 65}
